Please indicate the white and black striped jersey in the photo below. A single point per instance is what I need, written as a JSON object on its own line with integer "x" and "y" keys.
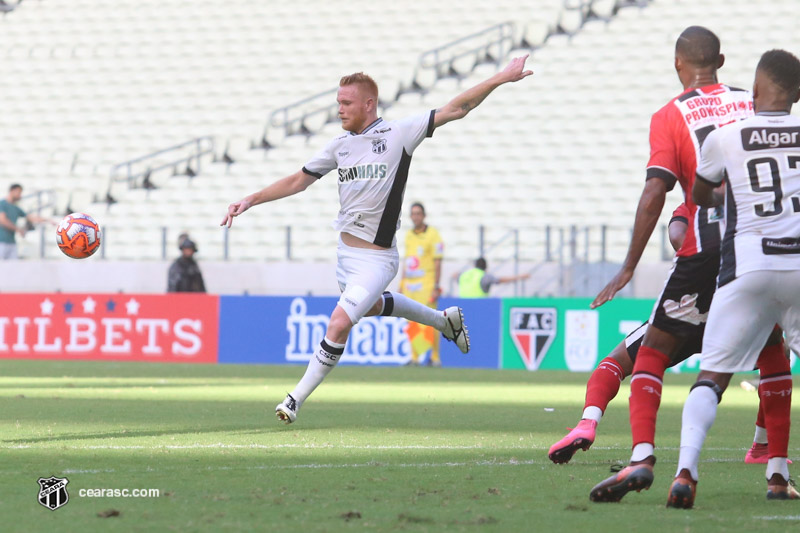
{"x": 372, "y": 171}
{"x": 759, "y": 160}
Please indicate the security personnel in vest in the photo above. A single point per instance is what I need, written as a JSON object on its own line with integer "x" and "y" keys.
{"x": 184, "y": 274}
{"x": 476, "y": 282}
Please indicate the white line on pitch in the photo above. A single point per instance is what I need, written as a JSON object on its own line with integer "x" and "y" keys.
{"x": 265, "y": 447}
{"x": 370, "y": 464}
{"x": 220, "y": 445}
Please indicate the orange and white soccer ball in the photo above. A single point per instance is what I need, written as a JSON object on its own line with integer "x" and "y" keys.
{"x": 78, "y": 235}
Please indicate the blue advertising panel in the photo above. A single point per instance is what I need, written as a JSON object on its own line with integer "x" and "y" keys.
{"x": 285, "y": 329}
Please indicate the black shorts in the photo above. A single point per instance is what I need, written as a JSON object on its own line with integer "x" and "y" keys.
{"x": 690, "y": 346}
{"x": 682, "y": 307}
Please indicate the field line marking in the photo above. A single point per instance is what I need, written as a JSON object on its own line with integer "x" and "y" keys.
{"x": 221, "y": 445}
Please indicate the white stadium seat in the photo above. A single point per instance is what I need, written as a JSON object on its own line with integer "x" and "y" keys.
{"x": 88, "y": 84}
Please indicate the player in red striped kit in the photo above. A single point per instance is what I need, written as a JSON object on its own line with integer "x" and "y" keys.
{"x": 759, "y": 276}
{"x": 677, "y": 132}
{"x": 605, "y": 381}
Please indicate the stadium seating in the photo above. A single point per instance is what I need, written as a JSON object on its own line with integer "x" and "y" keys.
{"x": 90, "y": 84}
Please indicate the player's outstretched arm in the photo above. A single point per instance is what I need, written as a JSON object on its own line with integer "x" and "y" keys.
{"x": 511, "y": 279}
{"x": 465, "y": 102}
{"x": 293, "y": 184}
{"x": 650, "y": 205}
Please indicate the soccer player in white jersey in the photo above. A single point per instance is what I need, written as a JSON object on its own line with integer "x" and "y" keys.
{"x": 372, "y": 160}
{"x": 758, "y": 159}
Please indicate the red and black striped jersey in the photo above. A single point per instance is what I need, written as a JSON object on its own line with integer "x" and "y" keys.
{"x": 681, "y": 214}
{"x": 677, "y": 132}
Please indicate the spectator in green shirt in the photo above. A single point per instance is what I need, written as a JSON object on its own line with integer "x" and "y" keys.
{"x": 9, "y": 213}
{"x": 476, "y": 282}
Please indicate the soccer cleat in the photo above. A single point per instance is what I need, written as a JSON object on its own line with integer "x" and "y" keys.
{"x": 454, "y": 328}
{"x": 780, "y": 489}
{"x": 579, "y": 438}
{"x": 636, "y": 477}
{"x": 682, "y": 491}
{"x": 286, "y": 411}
{"x": 758, "y": 454}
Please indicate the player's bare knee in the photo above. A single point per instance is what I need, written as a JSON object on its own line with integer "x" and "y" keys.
{"x": 776, "y": 337}
{"x": 376, "y": 308}
{"x": 622, "y": 357}
{"x": 339, "y": 325}
{"x": 660, "y": 340}
{"x": 714, "y": 381}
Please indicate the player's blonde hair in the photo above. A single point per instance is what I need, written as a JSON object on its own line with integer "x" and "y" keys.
{"x": 359, "y": 78}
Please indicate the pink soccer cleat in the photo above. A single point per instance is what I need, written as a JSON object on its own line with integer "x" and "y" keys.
{"x": 758, "y": 454}
{"x": 581, "y": 437}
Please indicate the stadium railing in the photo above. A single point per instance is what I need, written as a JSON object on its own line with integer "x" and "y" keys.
{"x": 7, "y": 6}
{"x": 453, "y": 59}
{"x": 568, "y": 261}
{"x": 39, "y": 202}
{"x": 458, "y": 58}
{"x": 136, "y": 173}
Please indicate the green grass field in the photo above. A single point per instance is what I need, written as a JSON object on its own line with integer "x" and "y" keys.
{"x": 375, "y": 449}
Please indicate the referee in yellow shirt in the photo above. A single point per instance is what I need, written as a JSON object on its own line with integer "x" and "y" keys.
{"x": 422, "y": 268}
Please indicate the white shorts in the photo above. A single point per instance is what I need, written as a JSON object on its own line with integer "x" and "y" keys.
{"x": 363, "y": 275}
{"x": 743, "y": 314}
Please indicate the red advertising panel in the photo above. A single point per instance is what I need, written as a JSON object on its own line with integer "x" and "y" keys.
{"x": 176, "y": 328}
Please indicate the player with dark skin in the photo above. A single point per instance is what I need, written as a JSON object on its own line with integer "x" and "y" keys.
{"x": 597, "y": 395}
{"x": 769, "y": 97}
{"x": 681, "y": 312}
{"x": 677, "y": 232}
{"x": 650, "y": 206}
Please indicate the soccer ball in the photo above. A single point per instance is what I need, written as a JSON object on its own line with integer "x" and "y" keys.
{"x": 78, "y": 235}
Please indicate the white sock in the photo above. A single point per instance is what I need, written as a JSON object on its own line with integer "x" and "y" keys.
{"x": 699, "y": 413}
{"x": 319, "y": 366}
{"x": 642, "y": 451}
{"x": 761, "y": 435}
{"x": 396, "y": 304}
{"x": 593, "y": 413}
{"x": 777, "y": 465}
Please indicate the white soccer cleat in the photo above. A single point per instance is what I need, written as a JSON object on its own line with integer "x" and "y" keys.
{"x": 454, "y": 328}
{"x": 286, "y": 411}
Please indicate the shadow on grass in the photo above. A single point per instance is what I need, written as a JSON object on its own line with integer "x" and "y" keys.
{"x": 132, "y": 419}
{"x": 343, "y": 373}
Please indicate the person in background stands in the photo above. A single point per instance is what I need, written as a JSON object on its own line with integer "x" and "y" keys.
{"x": 184, "y": 274}
{"x": 476, "y": 282}
{"x": 422, "y": 270}
{"x": 10, "y": 212}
